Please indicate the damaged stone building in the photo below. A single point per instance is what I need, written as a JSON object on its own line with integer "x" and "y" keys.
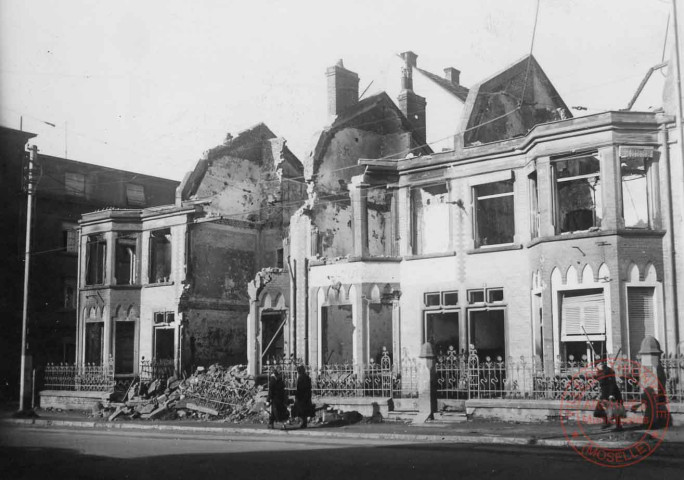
{"x": 536, "y": 231}
{"x": 166, "y": 287}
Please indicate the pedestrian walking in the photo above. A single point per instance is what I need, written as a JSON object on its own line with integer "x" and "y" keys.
{"x": 277, "y": 399}
{"x": 303, "y": 407}
{"x": 610, "y": 405}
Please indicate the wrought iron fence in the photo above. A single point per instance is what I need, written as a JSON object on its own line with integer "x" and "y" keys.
{"x": 212, "y": 390}
{"x": 375, "y": 379}
{"x": 673, "y": 366}
{"x": 467, "y": 375}
{"x": 87, "y": 377}
{"x": 156, "y": 369}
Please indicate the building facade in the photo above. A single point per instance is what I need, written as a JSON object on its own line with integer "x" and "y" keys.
{"x": 166, "y": 287}
{"x": 537, "y": 232}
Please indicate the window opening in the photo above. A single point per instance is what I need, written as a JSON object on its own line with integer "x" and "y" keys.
{"x": 494, "y": 213}
{"x": 124, "y": 347}
{"x": 635, "y": 198}
{"x": 160, "y": 256}
{"x": 94, "y": 342}
{"x": 578, "y": 193}
{"x": 337, "y": 334}
{"x": 126, "y": 260}
{"x": 96, "y": 250}
{"x": 163, "y": 344}
{"x": 430, "y": 219}
{"x": 476, "y": 296}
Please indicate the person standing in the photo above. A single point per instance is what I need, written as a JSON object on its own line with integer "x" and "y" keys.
{"x": 276, "y": 398}
{"x": 610, "y": 404}
{"x": 303, "y": 406}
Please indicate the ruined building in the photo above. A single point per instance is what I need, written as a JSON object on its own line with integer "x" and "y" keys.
{"x": 536, "y": 231}
{"x": 166, "y": 287}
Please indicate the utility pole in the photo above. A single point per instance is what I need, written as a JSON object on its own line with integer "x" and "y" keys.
{"x": 30, "y": 182}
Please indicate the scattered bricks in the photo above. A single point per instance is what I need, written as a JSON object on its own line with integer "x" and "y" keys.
{"x": 201, "y": 409}
{"x": 155, "y": 413}
{"x": 153, "y": 387}
{"x": 116, "y": 413}
{"x": 147, "y": 408}
{"x": 162, "y": 398}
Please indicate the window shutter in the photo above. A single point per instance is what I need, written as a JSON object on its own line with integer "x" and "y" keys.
{"x": 587, "y": 310}
{"x": 640, "y": 311}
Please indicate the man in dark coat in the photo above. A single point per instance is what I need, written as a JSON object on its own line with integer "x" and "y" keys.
{"x": 303, "y": 405}
{"x": 277, "y": 399}
{"x": 610, "y": 404}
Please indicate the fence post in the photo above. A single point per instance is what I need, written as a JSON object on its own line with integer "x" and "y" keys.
{"x": 427, "y": 392}
{"x": 652, "y": 382}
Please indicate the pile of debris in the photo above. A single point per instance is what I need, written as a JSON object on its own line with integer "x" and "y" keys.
{"x": 217, "y": 392}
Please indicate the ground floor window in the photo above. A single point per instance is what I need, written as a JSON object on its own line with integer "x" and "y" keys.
{"x": 487, "y": 333}
{"x": 94, "y": 342}
{"x": 641, "y": 316}
{"x": 337, "y": 329}
{"x": 124, "y": 347}
{"x": 582, "y": 320}
{"x": 380, "y": 331}
{"x": 441, "y": 329}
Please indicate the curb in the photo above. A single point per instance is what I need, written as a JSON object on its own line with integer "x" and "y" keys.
{"x": 404, "y": 437}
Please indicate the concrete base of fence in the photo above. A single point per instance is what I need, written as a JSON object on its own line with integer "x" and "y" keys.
{"x": 366, "y": 406}
{"x": 70, "y": 400}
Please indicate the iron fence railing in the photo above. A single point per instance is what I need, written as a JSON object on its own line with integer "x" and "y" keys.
{"x": 375, "y": 379}
{"x": 673, "y": 366}
{"x": 467, "y": 375}
{"x": 156, "y": 369}
{"x": 87, "y": 377}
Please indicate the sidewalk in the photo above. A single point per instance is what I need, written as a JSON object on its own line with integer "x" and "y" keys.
{"x": 547, "y": 434}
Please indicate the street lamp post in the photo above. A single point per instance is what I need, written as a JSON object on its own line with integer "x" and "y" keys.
{"x": 30, "y": 183}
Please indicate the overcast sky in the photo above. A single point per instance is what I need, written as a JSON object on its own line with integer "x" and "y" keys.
{"x": 148, "y": 86}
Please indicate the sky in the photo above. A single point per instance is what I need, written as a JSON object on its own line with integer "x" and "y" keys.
{"x": 150, "y": 85}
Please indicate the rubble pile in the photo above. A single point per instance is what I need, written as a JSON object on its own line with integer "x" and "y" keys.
{"x": 215, "y": 393}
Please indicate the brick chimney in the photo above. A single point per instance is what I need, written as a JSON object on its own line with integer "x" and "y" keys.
{"x": 411, "y": 104}
{"x": 343, "y": 88}
{"x": 453, "y": 75}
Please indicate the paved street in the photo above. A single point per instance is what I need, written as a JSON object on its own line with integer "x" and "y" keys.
{"x": 70, "y": 453}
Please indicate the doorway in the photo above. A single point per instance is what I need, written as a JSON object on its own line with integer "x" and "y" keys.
{"x": 272, "y": 337}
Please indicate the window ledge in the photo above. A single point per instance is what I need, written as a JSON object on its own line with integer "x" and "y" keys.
{"x": 429, "y": 255}
{"x": 374, "y": 259}
{"x": 160, "y": 284}
{"x": 126, "y": 286}
{"x": 501, "y": 248}
{"x": 626, "y": 232}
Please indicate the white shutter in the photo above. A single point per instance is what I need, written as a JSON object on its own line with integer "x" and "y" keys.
{"x": 640, "y": 312}
{"x": 582, "y": 310}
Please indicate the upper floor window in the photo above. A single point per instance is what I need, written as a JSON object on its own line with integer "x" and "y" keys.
{"x": 96, "y": 257}
{"x": 74, "y": 184}
{"x": 280, "y": 259}
{"x": 126, "y": 260}
{"x": 535, "y": 216}
{"x": 135, "y": 194}
{"x": 494, "y": 217}
{"x": 430, "y": 219}
{"x": 577, "y": 193}
{"x": 160, "y": 256}
{"x": 69, "y": 285}
{"x": 636, "y": 202}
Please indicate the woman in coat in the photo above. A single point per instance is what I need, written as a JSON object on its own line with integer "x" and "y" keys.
{"x": 610, "y": 404}
{"x": 303, "y": 406}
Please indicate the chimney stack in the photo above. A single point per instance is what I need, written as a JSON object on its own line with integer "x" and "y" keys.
{"x": 343, "y": 88}
{"x": 453, "y": 75}
{"x": 411, "y": 104}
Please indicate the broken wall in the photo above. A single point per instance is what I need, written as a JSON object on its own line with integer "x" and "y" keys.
{"x": 379, "y": 207}
{"x": 214, "y": 336}
{"x": 337, "y": 331}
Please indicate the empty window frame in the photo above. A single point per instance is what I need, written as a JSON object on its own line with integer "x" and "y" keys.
{"x": 535, "y": 216}
{"x": 494, "y": 213}
{"x": 126, "y": 260}
{"x": 124, "y": 347}
{"x": 74, "y": 184}
{"x": 441, "y": 320}
{"x": 135, "y": 194}
{"x": 430, "y": 219}
{"x": 96, "y": 257}
{"x": 486, "y": 332}
{"x": 577, "y": 196}
{"x": 69, "y": 285}
{"x": 160, "y": 256}
{"x": 488, "y": 295}
{"x": 635, "y": 195}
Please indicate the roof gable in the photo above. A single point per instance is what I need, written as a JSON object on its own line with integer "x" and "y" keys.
{"x": 510, "y": 103}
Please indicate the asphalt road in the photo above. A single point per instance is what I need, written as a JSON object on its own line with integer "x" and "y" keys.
{"x": 53, "y": 453}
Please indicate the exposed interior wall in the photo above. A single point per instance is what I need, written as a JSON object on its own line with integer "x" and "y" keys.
{"x": 214, "y": 336}
{"x": 379, "y": 206}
